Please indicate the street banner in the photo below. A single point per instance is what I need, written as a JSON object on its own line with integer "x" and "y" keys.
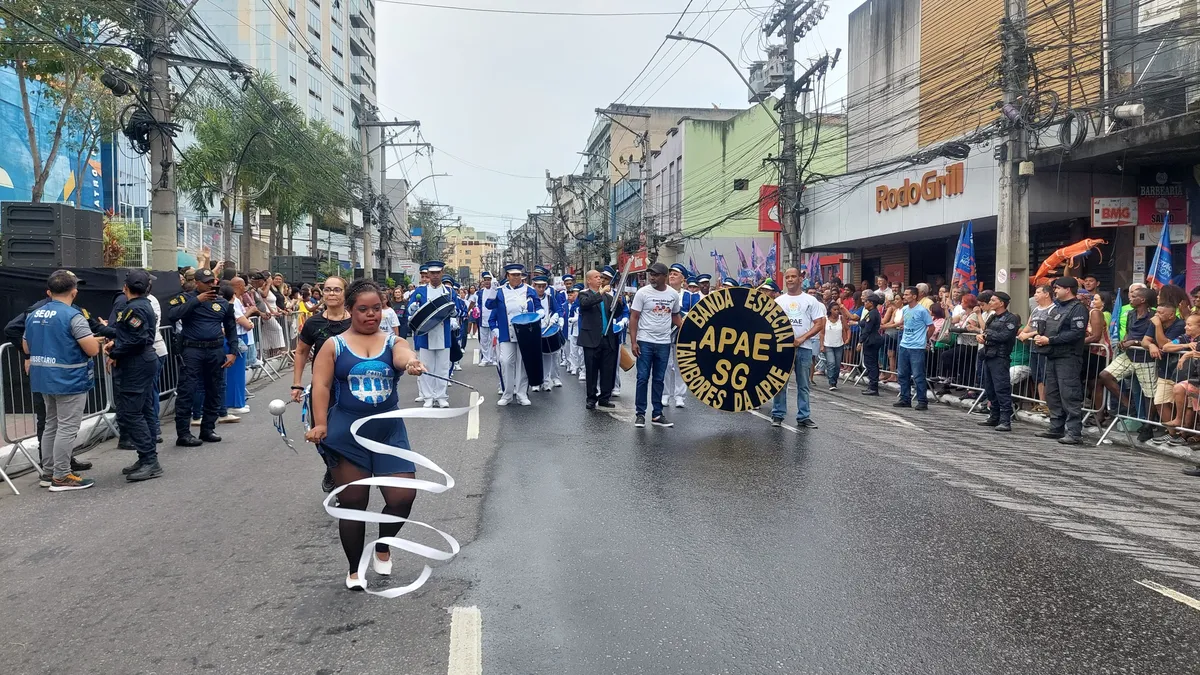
{"x": 736, "y": 349}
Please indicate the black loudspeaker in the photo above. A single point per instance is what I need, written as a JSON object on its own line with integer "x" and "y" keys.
{"x": 38, "y": 235}
{"x": 89, "y": 238}
{"x": 51, "y": 220}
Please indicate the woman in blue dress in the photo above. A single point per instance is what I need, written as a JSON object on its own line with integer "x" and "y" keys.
{"x": 355, "y": 375}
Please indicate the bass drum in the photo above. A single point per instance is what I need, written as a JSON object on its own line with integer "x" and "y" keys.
{"x": 528, "y": 331}
{"x": 431, "y": 315}
{"x": 552, "y": 339}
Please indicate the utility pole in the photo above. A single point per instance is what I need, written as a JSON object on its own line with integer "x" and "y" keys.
{"x": 384, "y": 242}
{"x": 1012, "y": 223}
{"x": 369, "y": 208}
{"x": 162, "y": 152}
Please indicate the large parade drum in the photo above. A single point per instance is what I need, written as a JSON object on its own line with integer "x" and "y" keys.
{"x": 528, "y": 330}
{"x": 431, "y": 315}
{"x": 552, "y": 339}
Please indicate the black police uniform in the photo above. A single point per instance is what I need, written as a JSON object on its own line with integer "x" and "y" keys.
{"x": 1066, "y": 326}
{"x": 207, "y": 327}
{"x": 133, "y": 329}
{"x": 14, "y": 331}
{"x": 872, "y": 341}
{"x": 999, "y": 336}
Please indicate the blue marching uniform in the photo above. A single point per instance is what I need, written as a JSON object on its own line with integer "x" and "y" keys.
{"x": 208, "y": 333}
{"x": 364, "y": 386}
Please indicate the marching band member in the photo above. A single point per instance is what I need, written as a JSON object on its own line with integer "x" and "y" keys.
{"x": 704, "y": 281}
{"x": 673, "y": 384}
{"x": 769, "y": 288}
{"x": 568, "y": 280}
{"x": 574, "y": 363}
{"x": 458, "y": 324}
{"x": 434, "y": 346}
{"x": 487, "y": 356}
{"x": 620, "y": 322}
{"x": 729, "y": 282}
{"x": 692, "y": 295}
{"x": 512, "y": 299}
{"x": 548, "y": 303}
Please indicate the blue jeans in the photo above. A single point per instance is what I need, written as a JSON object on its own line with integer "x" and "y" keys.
{"x": 833, "y": 363}
{"x": 156, "y": 423}
{"x": 803, "y": 368}
{"x": 651, "y": 361}
{"x": 911, "y": 363}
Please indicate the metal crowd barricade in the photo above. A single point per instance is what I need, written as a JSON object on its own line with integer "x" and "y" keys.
{"x": 20, "y": 408}
{"x": 262, "y": 362}
{"x": 1146, "y": 398}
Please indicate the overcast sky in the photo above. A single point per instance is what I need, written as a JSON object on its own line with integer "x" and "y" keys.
{"x": 515, "y": 94}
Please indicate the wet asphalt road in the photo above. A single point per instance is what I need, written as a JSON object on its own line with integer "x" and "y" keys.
{"x": 878, "y": 543}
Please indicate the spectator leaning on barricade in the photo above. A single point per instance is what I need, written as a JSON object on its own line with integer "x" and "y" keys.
{"x": 1060, "y": 340}
{"x": 997, "y": 340}
{"x": 1042, "y": 301}
{"x": 918, "y": 328}
{"x": 1132, "y": 359}
{"x": 1166, "y": 328}
{"x": 61, "y": 347}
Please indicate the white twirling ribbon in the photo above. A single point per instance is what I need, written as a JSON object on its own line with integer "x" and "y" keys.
{"x": 427, "y": 552}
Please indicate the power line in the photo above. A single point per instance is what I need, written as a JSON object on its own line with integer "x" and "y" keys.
{"x": 530, "y": 12}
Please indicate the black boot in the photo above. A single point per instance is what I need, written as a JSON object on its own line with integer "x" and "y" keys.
{"x": 1004, "y": 425}
{"x": 80, "y": 464}
{"x": 209, "y": 437}
{"x": 188, "y": 441}
{"x": 990, "y": 422}
{"x": 132, "y": 467}
{"x": 146, "y": 472}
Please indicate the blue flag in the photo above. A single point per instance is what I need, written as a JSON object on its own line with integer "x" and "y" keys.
{"x": 964, "y": 260}
{"x": 1114, "y": 324}
{"x": 1160, "y": 273}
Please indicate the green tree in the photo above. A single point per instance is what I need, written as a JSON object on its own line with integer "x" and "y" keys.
{"x": 428, "y": 218}
{"x": 92, "y": 117}
{"x": 62, "y": 45}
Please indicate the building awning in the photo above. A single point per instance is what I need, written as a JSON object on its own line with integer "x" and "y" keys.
{"x": 1174, "y": 140}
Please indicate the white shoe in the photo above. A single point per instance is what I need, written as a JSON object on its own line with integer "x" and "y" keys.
{"x": 418, "y": 399}
{"x": 383, "y": 567}
{"x": 503, "y": 401}
{"x": 583, "y": 377}
{"x": 356, "y": 584}
{"x": 443, "y": 403}
{"x": 428, "y": 403}
{"x": 679, "y": 403}
{"x": 241, "y": 411}
{"x": 228, "y": 419}
{"x": 557, "y": 382}
{"x": 665, "y": 401}
{"x": 500, "y": 391}
{"x": 524, "y": 400}
{"x": 616, "y": 392}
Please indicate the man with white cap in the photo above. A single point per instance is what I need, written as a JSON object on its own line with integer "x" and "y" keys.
{"x": 487, "y": 355}
{"x": 673, "y": 384}
{"x": 511, "y": 299}
{"x": 704, "y": 282}
{"x": 433, "y": 345}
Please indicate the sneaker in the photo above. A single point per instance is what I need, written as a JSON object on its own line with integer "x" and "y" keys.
{"x": 503, "y": 401}
{"x": 1004, "y": 426}
{"x": 45, "y": 480}
{"x": 679, "y": 402}
{"x": 418, "y": 399}
{"x": 662, "y": 421}
{"x": 524, "y": 400}
{"x": 78, "y": 465}
{"x": 607, "y": 404}
{"x": 833, "y": 387}
{"x": 71, "y": 481}
{"x": 871, "y": 392}
{"x": 640, "y": 422}
{"x": 557, "y": 382}
{"x": 616, "y": 392}
{"x": 428, "y": 403}
{"x": 989, "y": 422}
{"x": 228, "y": 419}
{"x": 1177, "y": 441}
{"x": 443, "y": 403}
{"x": 901, "y": 404}
{"x": 356, "y": 584}
{"x": 776, "y": 421}
{"x": 806, "y": 423}
{"x": 145, "y": 472}
{"x": 241, "y": 411}
{"x": 1070, "y": 440}
{"x": 327, "y": 482}
{"x": 1053, "y": 435}
{"x": 921, "y": 406}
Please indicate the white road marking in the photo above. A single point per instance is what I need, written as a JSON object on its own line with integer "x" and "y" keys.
{"x": 466, "y": 641}
{"x": 1170, "y": 593}
{"x": 790, "y": 428}
{"x": 476, "y": 357}
{"x": 473, "y": 418}
{"x": 888, "y": 417}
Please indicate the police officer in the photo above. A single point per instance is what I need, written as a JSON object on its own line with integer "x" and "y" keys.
{"x": 134, "y": 363}
{"x": 208, "y": 333}
{"x": 996, "y": 343}
{"x": 1060, "y": 341}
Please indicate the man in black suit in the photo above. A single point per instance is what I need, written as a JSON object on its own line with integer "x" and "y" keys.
{"x": 599, "y": 342}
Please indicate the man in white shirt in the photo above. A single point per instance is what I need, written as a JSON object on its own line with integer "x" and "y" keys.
{"x": 389, "y": 322}
{"x": 654, "y": 313}
{"x": 807, "y": 315}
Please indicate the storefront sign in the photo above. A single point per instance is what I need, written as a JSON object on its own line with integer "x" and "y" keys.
{"x": 768, "y": 209}
{"x": 1114, "y": 211}
{"x": 1139, "y": 262}
{"x": 736, "y": 349}
{"x": 931, "y": 187}
{"x": 1150, "y": 210}
{"x": 1148, "y": 235}
{"x": 641, "y": 260}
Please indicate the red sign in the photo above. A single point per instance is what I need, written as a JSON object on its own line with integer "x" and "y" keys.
{"x": 1150, "y": 210}
{"x": 768, "y": 209}
{"x": 641, "y": 260}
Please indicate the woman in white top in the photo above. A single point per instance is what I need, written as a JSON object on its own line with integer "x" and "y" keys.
{"x": 837, "y": 328}
{"x": 272, "y": 333}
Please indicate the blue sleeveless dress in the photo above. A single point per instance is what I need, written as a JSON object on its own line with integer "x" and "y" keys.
{"x": 365, "y": 386}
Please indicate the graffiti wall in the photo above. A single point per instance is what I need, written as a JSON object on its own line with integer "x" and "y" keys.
{"x": 16, "y": 160}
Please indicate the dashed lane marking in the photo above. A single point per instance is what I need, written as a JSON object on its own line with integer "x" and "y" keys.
{"x": 466, "y": 641}
{"x": 1171, "y": 593}
{"x": 789, "y": 427}
{"x": 890, "y": 418}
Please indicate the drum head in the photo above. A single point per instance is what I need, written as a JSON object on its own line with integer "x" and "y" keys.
{"x": 527, "y": 317}
{"x": 552, "y": 329}
{"x": 431, "y": 315}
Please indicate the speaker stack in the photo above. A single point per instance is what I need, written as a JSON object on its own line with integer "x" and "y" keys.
{"x": 51, "y": 235}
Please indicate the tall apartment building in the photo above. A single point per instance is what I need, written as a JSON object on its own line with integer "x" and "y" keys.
{"x": 322, "y": 53}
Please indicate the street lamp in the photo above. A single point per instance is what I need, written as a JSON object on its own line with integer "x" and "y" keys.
{"x": 684, "y": 38}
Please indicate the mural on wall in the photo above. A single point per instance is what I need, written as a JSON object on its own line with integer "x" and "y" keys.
{"x": 16, "y": 160}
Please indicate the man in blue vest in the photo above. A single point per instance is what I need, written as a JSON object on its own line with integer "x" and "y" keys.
{"x": 208, "y": 334}
{"x": 61, "y": 346}
{"x": 134, "y": 363}
{"x": 434, "y": 345}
